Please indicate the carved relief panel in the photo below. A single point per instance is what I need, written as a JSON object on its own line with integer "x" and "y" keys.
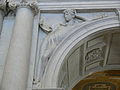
{"x": 95, "y": 52}
{"x": 114, "y": 54}
{"x": 74, "y": 65}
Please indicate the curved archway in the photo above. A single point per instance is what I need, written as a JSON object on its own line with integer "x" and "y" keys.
{"x": 78, "y": 33}
{"x": 96, "y": 52}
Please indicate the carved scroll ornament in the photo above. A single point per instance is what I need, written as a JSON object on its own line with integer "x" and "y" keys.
{"x": 93, "y": 55}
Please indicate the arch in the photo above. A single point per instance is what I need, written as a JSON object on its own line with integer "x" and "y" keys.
{"x": 78, "y": 33}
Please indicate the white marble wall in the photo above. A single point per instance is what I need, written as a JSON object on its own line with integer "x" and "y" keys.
{"x": 53, "y": 19}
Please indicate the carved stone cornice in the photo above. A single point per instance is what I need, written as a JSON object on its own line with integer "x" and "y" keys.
{"x": 93, "y": 5}
{"x": 32, "y": 5}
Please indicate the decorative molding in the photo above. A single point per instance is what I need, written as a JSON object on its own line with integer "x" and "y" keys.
{"x": 79, "y": 5}
{"x": 58, "y": 7}
{"x": 93, "y": 55}
{"x": 99, "y": 85}
{"x": 33, "y": 6}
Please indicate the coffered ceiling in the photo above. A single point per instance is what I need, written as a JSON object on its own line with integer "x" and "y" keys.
{"x": 99, "y": 51}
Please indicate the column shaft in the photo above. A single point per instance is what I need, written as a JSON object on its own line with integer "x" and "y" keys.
{"x": 17, "y": 63}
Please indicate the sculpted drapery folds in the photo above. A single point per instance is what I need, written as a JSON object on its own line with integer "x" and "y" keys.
{"x": 54, "y": 38}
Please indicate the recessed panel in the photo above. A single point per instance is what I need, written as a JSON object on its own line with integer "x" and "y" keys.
{"x": 73, "y": 66}
{"x": 114, "y": 54}
{"x": 63, "y": 76}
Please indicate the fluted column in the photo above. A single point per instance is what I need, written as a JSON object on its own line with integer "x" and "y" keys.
{"x": 17, "y": 62}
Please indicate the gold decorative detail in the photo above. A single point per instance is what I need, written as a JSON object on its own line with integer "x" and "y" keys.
{"x": 100, "y": 87}
{"x": 100, "y": 81}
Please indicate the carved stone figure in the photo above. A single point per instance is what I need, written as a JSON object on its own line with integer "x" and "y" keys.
{"x": 54, "y": 38}
{"x": 71, "y": 18}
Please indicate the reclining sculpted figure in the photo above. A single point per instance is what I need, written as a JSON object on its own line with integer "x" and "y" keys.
{"x": 54, "y": 38}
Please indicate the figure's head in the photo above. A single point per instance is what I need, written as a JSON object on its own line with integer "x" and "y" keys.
{"x": 69, "y": 14}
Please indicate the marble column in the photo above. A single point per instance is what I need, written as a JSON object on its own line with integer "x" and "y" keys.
{"x": 1, "y": 20}
{"x": 17, "y": 63}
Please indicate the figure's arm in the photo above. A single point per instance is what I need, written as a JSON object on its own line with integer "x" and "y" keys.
{"x": 44, "y": 27}
{"x": 81, "y": 18}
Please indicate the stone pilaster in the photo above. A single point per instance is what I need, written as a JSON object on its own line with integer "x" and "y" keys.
{"x": 17, "y": 63}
